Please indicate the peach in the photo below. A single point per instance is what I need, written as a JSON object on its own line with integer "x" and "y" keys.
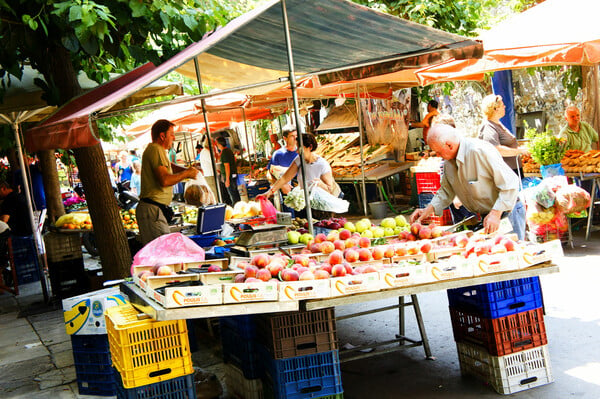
{"x": 336, "y": 257}
{"x": 327, "y": 247}
{"x": 339, "y": 244}
{"x": 424, "y": 233}
{"x": 338, "y": 271}
{"x": 351, "y": 255}
{"x": 356, "y": 235}
{"x": 144, "y": 275}
{"x": 509, "y": 244}
{"x": 214, "y": 268}
{"x": 403, "y": 235}
{"x": 305, "y": 251}
{"x": 275, "y": 269}
{"x": 436, "y": 232}
{"x": 260, "y": 260}
{"x": 415, "y": 228}
{"x": 482, "y": 248}
{"x": 242, "y": 265}
{"x": 364, "y": 254}
{"x": 345, "y": 234}
{"x": 400, "y": 250}
{"x": 301, "y": 259}
{"x": 378, "y": 253}
{"x": 425, "y": 246}
{"x": 389, "y": 252}
{"x": 290, "y": 275}
{"x": 461, "y": 241}
{"x": 351, "y": 243}
{"x": 315, "y": 248}
{"x": 250, "y": 271}
{"x": 327, "y": 267}
{"x": 321, "y": 274}
{"x": 364, "y": 242}
{"x": 412, "y": 249}
{"x": 253, "y": 280}
{"x": 306, "y": 275}
{"x": 370, "y": 269}
{"x": 498, "y": 238}
{"x": 263, "y": 274}
{"x": 164, "y": 271}
{"x": 333, "y": 235}
{"x": 320, "y": 238}
{"x": 239, "y": 278}
{"x": 411, "y": 237}
{"x": 348, "y": 267}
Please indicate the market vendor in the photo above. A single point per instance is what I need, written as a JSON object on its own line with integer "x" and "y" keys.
{"x": 432, "y": 111}
{"x": 579, "y": 135}
{"x": 316, "y": 169}
{"x": 475, "y": 173}
{"x": 495, "y": 133}
{"x": 228, "y": 171}
{"x": 159, "y": 176}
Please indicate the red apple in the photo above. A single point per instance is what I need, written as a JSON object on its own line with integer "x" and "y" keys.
{"x": 345, "y": 234}
{"x": 364, "y": 254}
{"x": 336, "y": 257}
{"x": 338, "y": 271}
{"x": 364, "y": 242}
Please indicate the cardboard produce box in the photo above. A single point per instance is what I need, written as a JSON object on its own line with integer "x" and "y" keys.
{"x": 183, "y": 296}
{"x": 309, "y": 289}
{"x": 250, "y": 292}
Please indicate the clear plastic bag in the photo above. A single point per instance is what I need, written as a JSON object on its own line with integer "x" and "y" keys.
{"x": 321, "y": 200}
{"x": 572, "y": 199}
{"x": 197, "y": 192}
{"x": 295, "y": 199}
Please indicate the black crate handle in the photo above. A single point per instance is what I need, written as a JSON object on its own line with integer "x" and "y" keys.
{"x": 308, "y": 345}
{"x": 516, "y": 305}
{"x": 528, "y": 380}
{"x": 158, "y": 373}
{"x": 523, "y": 343}
{"x": 315, "y": 388}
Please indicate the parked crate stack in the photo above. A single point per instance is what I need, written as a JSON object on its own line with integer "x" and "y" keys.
{"x": 500, "y": 334}
{"x": 151, "y": 359}
{"x": 428, "y": 183}
{"x": 300, "y": 354}
{"x": 84, "y": 322}
{"x": 65, "y": 264}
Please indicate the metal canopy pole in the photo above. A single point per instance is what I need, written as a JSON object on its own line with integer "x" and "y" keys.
{"x": 210, "y": 145}
{"x": 247, "y": 141}
{"x": 299, "y": 129}
{"x": 362, "y": 159}
{"x": 17, "y": 129}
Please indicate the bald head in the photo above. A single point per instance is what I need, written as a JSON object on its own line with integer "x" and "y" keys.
{"x": 573, "y": 117}
{"x": 444, "y": 139}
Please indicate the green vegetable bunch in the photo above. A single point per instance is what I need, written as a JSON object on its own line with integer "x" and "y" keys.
{"x": 545, "y": 148}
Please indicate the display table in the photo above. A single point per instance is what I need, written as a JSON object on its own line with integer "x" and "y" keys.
{"x": 158, "y": 312}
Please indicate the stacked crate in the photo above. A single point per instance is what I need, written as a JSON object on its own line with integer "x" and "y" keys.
{"x": 300, "y": 353}
{"x": 428, "y": 183}
{"x": 151, "y": 359}
{"x": 84, "y": 322}
{"x": 65, "y": 264}
{"x": 500, "y": 333}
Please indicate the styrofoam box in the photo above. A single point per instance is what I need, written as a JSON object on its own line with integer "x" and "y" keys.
{"x": 241, "y": 387}
{"x": 308, "y": 289}
{"x": 510, "y": 373}
{"x": 250, "y": 292}
{"x": 403, "y": 276}
{"x": 84, "y": 314}
{"x": 355, "y": 284}
{"x": 534, "y": 254}
{"x": 453, "y": 267}
{"x": 177, "y": 297}
{"x": 494, "y": 263}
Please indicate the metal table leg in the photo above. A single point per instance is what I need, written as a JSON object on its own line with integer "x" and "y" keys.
{"x": 591, "y": 211}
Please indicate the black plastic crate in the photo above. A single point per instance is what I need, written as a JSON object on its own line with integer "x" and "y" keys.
{"x": 91, "y": 356}
{"x": 241, "y": 352}
{"x": 68, "y": 278}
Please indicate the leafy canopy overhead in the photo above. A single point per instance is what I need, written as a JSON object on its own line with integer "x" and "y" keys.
{"x": 104, "y": 36}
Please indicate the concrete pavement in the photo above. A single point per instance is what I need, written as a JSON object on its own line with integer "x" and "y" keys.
{"x": 36, "y": 358}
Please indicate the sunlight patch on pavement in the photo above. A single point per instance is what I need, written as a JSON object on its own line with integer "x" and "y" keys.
{"x": 588, "y": 373}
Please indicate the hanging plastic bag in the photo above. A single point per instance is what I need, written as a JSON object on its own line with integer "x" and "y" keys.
{"x": 197, "y": 192}
{"x": 267, "y": 208}
{"x": 321, "y": 200}
{"x": 168, "y": 249}
{"x": 544, "y": 194}
{"x": 572, "y": 199}
{"x": 295, "y": 199}
{"x": 555, "y": 169}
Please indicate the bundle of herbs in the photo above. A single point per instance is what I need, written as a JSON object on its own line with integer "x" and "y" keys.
{"x": 545, "y": 147}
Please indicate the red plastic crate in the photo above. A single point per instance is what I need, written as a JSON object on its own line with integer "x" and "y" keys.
{"x": 503, "y": 335}
{"x": 444, "y": 220}
{"x": 427, "y": 182}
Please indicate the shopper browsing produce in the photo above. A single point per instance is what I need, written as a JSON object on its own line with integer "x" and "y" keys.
{"x": 158, "y": 178}
{"x": 228, "y": 171}
{"x": 474, "y": 172}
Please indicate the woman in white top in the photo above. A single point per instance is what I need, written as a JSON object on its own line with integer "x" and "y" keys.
{"x": 206, "y": 167}
{"x": 317, "y": 169}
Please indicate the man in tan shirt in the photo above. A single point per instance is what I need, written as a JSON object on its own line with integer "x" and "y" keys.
{"x": 159, "y": 176}
{"x": 474, "y": 172}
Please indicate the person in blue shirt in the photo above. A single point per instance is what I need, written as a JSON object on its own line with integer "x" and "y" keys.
{"x": 282, "y": 159}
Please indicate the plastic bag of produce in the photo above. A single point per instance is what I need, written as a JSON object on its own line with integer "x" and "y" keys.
{"x": 321, "y": 200}
{"x": 198, "y": 193}
{"x": 167, "y": 250}
{"x": 295, "y": 199}
{"x": 267, "y": 208}
{"x": 544, "y": 195}
{"x": 572, "y": 199}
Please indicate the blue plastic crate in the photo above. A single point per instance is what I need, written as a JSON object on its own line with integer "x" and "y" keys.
{"x": 425, "y": 199}
{"x": 324, "y": 230}
{"x": 499, "y": 299}
{"x": 242, "y": 352}
{"x": 91, "y": 356}
{"x": 244, "y": 325}
{"x": 175, "y": 388}
{"x": 309, "y": 376}
{"x": 257, "y": 187}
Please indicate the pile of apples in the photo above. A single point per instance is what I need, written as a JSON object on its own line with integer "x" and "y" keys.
{"x": 478, "y": 244}
{"x": 166, "y": 270}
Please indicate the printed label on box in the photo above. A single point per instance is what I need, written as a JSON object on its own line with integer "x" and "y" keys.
{"x": 403, "y": 276}
{"x": 309, "y": 289}
{"x": 355, "y": 284}
{"x": 250, "y": 292}
{"x": 84, "y": 314}
{"x": 457, "y": 267}
{"x": 177, "y": 297}
{"x": 495, "y": 263}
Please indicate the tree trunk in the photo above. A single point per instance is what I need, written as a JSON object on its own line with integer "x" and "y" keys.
{"x": 54, "y": 203}
{"x": 590, "y": 112}
{"x": 104, "y": 212}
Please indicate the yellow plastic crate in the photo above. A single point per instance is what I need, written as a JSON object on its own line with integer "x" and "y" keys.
{"x": 145, "y": 351}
